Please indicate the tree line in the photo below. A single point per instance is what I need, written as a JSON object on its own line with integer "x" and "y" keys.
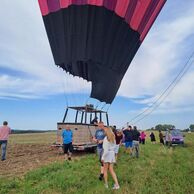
{"x": 163, "y": 127}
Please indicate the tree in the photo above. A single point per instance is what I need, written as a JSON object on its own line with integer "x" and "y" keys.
{"x": 164, "y": 127}
{"x": 191, "y": 127}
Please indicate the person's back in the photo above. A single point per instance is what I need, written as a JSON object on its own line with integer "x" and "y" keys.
{"x": 136, "y": 135}
{"x": 143, "y": 135}
{"x": 128, "y": 139}
{"x": 128, "y": 135}
{"x": 4, "y": 134}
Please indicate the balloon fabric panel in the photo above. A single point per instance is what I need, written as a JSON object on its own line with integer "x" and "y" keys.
{"x": 97, "y": 39}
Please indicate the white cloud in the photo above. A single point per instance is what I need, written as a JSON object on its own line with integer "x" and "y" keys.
{"x": 162, "y": 55}
{"x": 24, "y": 47}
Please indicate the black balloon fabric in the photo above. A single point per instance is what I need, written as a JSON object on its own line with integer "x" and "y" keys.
{"x": 94, "y": 42}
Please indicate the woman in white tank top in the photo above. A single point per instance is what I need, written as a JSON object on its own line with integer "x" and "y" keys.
{"x": 108, "y": 157}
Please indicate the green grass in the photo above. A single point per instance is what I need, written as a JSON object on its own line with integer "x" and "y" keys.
{"x": 158, "y": 170}
{"x": 33, "y": 138}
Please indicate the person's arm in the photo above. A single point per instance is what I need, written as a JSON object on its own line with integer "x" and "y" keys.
{"x": 94, "y": 138}
{"x": 120, "y": 143}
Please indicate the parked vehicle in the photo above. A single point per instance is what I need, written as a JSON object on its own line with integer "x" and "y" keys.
{"x": 176, "y": 136}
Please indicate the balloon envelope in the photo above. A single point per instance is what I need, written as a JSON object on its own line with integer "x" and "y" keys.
{"x": 97, "y": 39}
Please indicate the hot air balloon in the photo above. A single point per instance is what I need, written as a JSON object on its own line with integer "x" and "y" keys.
{"x": 97, "y": 39}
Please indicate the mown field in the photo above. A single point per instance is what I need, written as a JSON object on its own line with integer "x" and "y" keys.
{"x": 158, "y": 170}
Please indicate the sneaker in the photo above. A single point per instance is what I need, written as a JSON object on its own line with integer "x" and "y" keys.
{"x": 101, "y": 177}
{"x": 106, "y": 186}
{"x": 115, "y": 187}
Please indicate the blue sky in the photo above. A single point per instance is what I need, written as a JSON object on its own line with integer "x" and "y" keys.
{"x": 34, "y": 92}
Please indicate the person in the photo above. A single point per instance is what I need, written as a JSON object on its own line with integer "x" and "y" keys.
{"x": 67, "y": 135}
{"x": 136, "y": 135}
{"x": 108, "y": 157}
{"x": 4, "y": 135}
{"x": 168, "y": 138}
{"x": 161, "y": 137}
{"x": 128, "y": 139}
{"x": 152, "y": 137}
{"x": 143, "y": 136}
{"x": 118, "y": 139}
{"x": 98, "y": 138}
{"x": 114, "y": 129}
{"x": 94, "y": 121}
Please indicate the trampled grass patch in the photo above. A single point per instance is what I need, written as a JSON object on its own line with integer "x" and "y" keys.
{"x": 158, "y": 170}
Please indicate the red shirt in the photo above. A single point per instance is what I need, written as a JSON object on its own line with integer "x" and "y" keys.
{"x": 4, "y": 132}
{"x": 118, "y": 138}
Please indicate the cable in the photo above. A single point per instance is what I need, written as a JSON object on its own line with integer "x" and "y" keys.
{"x": 103, "y": 105}
{"x": 108, "y": 108}
{"x": 64, "y": 88}
{"x": 163, "y": 93}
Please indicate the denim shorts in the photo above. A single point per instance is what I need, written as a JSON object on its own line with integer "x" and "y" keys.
{"x": 129, "y": 144}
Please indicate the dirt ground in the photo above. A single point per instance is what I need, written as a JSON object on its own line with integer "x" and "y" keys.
{"x": 22, "y": 158}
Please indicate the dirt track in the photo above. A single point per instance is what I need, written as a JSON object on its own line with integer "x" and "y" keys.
{"x": 22, "y": 158}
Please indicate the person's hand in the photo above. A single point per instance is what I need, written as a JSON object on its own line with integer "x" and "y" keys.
{"x": 94, "y": 139}
{"x": 100, "y": 141}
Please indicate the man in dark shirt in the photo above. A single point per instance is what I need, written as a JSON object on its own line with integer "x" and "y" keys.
{"x": 128, "y": 139}
{"x": 136, "y": 135}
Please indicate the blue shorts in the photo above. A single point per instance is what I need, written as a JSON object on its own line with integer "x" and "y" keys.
{"x": 129, "y": 144}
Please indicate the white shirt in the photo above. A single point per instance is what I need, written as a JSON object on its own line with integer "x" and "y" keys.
{"x": 108, "y": 146}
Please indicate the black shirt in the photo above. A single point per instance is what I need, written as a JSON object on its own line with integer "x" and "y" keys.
{"x": 136, "y": 135}
{"x": 128, "y": 135}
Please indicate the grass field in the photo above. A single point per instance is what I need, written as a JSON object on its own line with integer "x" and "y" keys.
{"x": 33, "y": 138}
{"x": 158, "y": 170}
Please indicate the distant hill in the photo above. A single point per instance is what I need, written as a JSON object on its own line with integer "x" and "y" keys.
{"x": 19, "y": 131}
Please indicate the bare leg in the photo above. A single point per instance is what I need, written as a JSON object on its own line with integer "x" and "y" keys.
{"x": 116, "y": 156}
{"x": 114, "y": 176}
{"x": 131, "y": 151}
{"x": 102, "y": 170}
{"x": 66, "y": 156}
{"x": 69, "y": 156}
{"x": 106, "y": 166}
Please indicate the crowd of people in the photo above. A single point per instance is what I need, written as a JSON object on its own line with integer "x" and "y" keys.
{"x": 108, "y": 140}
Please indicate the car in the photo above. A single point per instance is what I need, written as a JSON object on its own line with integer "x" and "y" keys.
{"x": 176, "y": 136}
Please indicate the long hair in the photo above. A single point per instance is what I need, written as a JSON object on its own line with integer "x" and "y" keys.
{"x": 110, "y": 135}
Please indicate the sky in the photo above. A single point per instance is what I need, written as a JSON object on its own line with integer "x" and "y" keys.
{"x": 34, "y": 92}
